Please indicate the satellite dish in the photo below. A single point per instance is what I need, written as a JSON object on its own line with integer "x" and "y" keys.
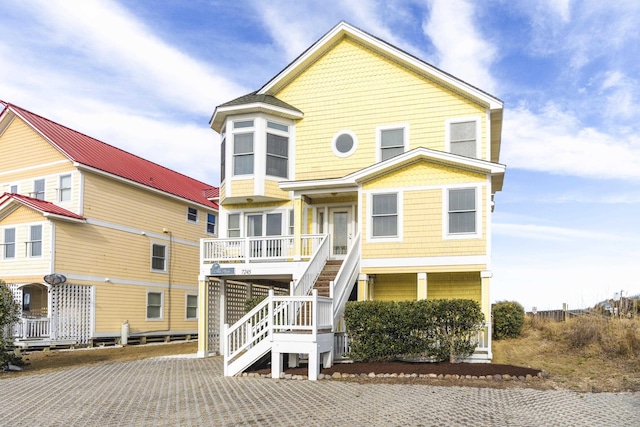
{"x": 55, "y": 279}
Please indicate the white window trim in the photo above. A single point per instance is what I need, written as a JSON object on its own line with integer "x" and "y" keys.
{"x": 400, "y": 201}
{"x": 33, "y": 194}
{"x": 146, "y": 306}
{"x": 445, "y": 213}
{"x": 335, "y": 139}
{"x": 166, "y": 257}
{"x": 447, "y": 132}
{"x": 197, "y": 221}
{"x": 186, "y": 306}
{"x": 379, "y": 129}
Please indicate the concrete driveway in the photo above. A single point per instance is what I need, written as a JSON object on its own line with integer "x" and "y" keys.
{"x": 185, "y": 391}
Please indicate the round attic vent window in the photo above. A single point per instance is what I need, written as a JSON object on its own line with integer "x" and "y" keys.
{"x": 344, "y": 143}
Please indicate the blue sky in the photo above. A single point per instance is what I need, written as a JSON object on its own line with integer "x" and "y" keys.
{"x": 146, "y": 76}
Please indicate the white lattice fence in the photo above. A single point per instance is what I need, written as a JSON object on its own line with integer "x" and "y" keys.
{"x": 237, "y": 294}
{"x": 17, "y": 295}
{"x": 213, "y": 317}
{"x": 71, "y": 312}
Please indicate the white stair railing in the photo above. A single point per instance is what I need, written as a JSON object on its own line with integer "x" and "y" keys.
{"x": 308, "y": 278}
{"x": 250, "y": 338}
{"x": 340, "y": 288}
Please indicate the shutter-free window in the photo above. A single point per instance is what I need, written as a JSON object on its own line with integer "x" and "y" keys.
{"x": 243, "y": 154}
{"x": 462, "y": 211}
{"x": 384, "y": 215}
{"x": 154, "y": 305}
{"x": 9, "y": 243}
{"x": 277, "y": 155}
{"x": 462, "y": 138}
{"x": 233, "y": 225}
{"x": 35, "y": 241}
{"x": 158, "y": 257}
{"x": 391, "y": 143}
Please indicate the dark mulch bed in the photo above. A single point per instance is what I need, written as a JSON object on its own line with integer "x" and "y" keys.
{"x": 407, "y": 368}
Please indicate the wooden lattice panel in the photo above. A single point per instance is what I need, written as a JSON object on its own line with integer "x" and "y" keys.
{"x": 213, "y": 317}
{"x": 71, "y": 307}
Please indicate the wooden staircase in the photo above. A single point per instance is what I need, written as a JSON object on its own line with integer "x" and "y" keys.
{"x": 327, "y": 275}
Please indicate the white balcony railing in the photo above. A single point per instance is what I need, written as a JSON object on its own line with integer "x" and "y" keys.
{"x": 257, "y": 249}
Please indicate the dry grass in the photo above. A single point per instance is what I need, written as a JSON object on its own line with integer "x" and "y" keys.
{"x": 583, "y": 354}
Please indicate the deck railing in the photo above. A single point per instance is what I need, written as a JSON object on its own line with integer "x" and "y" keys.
{"x": 27, "y": 328}
{"x": 257, "y": 249}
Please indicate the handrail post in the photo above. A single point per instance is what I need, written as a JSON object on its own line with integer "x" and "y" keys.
{"x": 270, "y": 314}
{"x": 314, "y": 315}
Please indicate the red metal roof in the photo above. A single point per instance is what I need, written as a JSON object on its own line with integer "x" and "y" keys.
{"x": 39, "y": 205}
{"x": 96, "y": 154}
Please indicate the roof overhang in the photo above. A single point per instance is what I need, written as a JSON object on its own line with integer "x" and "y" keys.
{"x": 11, "y": 204}
{"x": 222, "y": 112}
{"x": 352, "y": 181}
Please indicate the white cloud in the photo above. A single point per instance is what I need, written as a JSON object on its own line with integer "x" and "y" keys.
{"x": 461, "y": 49}
{"x": 555, "y": 141}
{"x": 542, "y": 232}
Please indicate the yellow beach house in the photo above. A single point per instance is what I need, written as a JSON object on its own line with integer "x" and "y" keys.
{"x": 358, "y": 172}
{"x": 96, "y": 244}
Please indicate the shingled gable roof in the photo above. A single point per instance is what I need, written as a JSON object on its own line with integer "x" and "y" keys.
{"x": 47, "y": 208}
{"x": 97, "y": 155}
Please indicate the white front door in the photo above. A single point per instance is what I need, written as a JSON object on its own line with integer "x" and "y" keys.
{"x": 340, "y": 230}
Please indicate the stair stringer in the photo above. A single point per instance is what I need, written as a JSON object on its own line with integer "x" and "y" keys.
{"x": 248, "y": 358}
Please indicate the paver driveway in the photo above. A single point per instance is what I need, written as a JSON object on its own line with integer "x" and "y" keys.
{"x": 184, "y": 391}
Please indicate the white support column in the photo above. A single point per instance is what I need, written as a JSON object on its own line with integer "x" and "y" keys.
{"x": 363, "y": 287}
{"x": 422, "y": 286}
{"x": 223, "y": 314}
{"x": 203, "y": 318}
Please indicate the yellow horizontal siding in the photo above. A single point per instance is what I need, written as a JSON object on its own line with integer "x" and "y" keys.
{"x": 396, "y": 287}
{"x": 424, "y": 173}
{"x": 21, "y": 147}
{"x": 354, "y": 88}
{"x": 462, "y": 285}
{"x": 422, "y": 269}
{"x": 117, "y": 303}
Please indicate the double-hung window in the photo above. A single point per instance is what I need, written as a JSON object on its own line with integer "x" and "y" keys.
{"x": 191, "y": 309}
{"x": 392, "y": 141}
{"x": 462, "y": 211}
{"x": 154, "y": 305}
{"x": 158, "y": 257}
{"x": 9, "y": 243}
{"x": 64, "y": 188}
{"x": 277, "y": 150}
{"x": 211, "y": 223}
{"x": 192, "y": 214}
{"x": 34, "y": 245}
{"x": 463, "y": 137}
{"x": 38, "y": 189}
{"x": 243, "y": 148}
{"x": 384, "y": 215}
{"x": 233, "y": 225}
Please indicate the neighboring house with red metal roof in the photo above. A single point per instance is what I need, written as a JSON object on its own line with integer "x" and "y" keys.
{"x": 123, "y": 231}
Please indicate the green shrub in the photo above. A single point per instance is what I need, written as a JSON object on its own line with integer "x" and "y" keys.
{"x": 9, "y": 310}
{"x": 435, "y": 329}
{"x": 252, "y": 302}
{"x": 508, "y": 319}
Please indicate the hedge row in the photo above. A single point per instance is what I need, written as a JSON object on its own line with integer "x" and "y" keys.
{"x": 435, "y": 329}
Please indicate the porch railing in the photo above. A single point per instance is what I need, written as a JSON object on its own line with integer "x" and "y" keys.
{"x": 27, "y": 328}
{"x": 342, "y": 285}
{"x": 256, "y": 249}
